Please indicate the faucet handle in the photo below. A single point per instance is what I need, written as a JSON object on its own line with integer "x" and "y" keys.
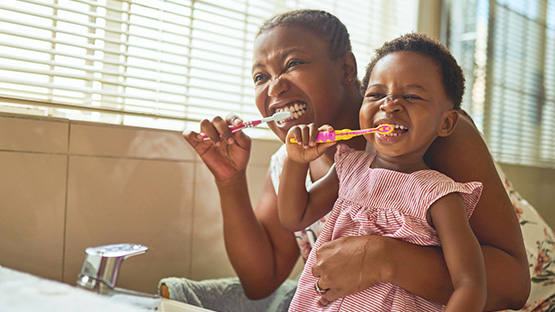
{"x": 102, "y": 264}
{"x": 117, "y": 250}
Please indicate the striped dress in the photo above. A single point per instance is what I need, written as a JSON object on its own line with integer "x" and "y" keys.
{"x": 380, "y": 202}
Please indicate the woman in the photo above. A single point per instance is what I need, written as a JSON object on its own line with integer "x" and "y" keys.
{"x": 303, "y": 62}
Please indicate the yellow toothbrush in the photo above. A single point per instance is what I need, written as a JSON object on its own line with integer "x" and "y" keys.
{"x": 346, "y": 134}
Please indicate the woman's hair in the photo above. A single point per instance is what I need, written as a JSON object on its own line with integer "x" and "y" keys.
{"x": 321, "y": 23}
{"x": 451, "y": 73}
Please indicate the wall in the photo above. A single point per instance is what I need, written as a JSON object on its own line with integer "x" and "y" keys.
{"x": 67, "y": 185}
{"x": 537, "y": 186}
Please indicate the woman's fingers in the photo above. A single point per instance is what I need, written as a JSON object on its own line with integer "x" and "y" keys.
{"x": 192, "y": 137}
{"x": 323, "y": 300}
{"x": 327, "y": 295}
{"x": 218, "y": 130}
{"x": 234, "y": 119}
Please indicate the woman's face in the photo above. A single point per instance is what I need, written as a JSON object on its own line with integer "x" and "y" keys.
{"x": 405, "y": 90}
{"x": 292, "y": 71}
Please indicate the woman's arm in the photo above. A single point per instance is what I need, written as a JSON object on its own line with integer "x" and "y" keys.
{"x": 462, "y": 254}
{"x": 464, "y": 157}
{"x": 260, "y": 250}
{"x": 421, "y": 270}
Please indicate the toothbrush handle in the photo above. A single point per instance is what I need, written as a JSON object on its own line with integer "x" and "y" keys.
{"x": 347, "y": 134}
{"x": 323, "y": 137}
{"x": 246, "y": 124}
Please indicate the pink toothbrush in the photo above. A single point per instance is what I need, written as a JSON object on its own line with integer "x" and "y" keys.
{"x": 248, "y": 124}
{"x": 346, "y": 134}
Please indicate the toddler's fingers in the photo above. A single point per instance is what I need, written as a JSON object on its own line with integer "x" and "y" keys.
{"x": 293, "y": 134}
{"x": 324, "y": 146}
{"x": 313, "y": 134}
{"x": 325, "y": 128}
{"x": 305, "y": 134}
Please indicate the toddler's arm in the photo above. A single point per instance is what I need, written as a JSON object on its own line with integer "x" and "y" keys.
{"x": 462, "y": 253}
{"x": 297, "y": 207}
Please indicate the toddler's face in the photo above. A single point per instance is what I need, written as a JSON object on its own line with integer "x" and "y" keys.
{"x": 293, "y": 71}
{"x": 406, "y": 91}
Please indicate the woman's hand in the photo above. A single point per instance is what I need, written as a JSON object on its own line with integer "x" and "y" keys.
{"x": 306, "y": 149}
{"x": 342, "y": 265}
{"x": 225, "y": 153}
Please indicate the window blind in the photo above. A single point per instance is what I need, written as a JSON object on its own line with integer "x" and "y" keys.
{"x": 506, "y": 50}
{"x": 156, "y": 63}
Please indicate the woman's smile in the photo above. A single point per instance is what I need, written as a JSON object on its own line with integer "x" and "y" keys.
{"x": 297, "y": 109}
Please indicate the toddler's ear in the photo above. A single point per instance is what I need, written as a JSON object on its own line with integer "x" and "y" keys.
{"x": 448, "y": 123}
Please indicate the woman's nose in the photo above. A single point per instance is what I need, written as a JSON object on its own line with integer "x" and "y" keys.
{"x": 277, "y": 86}
{"x": 390, "y": 104}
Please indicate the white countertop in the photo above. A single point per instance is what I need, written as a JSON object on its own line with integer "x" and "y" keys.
{"x": 23, "y": 292}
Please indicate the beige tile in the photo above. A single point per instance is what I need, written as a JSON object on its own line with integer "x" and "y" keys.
{"x": 262, "y": 150}
{"x": 148, "y": 202}
{"x": 32, "y": 201}
{"x": 20, "y": 133}
{"x": 123, "y": 141}
{"x": 209, "y": 258}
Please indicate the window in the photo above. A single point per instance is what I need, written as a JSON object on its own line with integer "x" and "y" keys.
{"x": 156, "y": 63}
{"x": 506, "y": 50}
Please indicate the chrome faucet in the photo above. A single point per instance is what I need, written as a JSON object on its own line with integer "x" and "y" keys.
{"x": 102, "y": 265}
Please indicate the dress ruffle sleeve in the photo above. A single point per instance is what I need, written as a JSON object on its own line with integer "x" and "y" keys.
{"x": 443, "y": 185}
{"x": 347, "y": 160}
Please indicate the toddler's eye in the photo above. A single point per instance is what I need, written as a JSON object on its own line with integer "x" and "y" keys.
{"x": 375, "y": 96}
{"x": 412, "y": 97}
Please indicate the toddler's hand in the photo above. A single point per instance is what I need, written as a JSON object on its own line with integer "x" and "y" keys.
{"x": 306, "y": 149}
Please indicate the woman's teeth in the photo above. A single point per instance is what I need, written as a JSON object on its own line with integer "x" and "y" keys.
{"x": 297, "y": 110}
{"x": 397, "y": 130}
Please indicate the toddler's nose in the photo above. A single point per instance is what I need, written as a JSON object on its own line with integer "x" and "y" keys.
{"x": 390, "y": 104}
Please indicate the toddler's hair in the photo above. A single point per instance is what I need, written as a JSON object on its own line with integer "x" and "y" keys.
{"x": 451, "y": 73}
{"x": 321, "y": 23}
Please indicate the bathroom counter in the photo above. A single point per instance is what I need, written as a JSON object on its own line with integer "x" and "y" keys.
{"x": 22, "y": 292}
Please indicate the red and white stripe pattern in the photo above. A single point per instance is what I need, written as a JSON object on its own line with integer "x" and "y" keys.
{"x": 380, "y": 202}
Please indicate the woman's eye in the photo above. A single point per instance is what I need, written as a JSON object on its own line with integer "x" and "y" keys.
{"x": 258, "y": 78}
{"x": 293, "y": 63}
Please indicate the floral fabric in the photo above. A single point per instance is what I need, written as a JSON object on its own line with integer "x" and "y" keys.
{"x": 540, "y": 245}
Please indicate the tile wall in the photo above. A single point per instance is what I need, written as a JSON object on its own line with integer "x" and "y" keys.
{"x": 66, "y": 186}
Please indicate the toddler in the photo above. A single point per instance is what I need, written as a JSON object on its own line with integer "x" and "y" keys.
{"x": 414, "y": 84}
